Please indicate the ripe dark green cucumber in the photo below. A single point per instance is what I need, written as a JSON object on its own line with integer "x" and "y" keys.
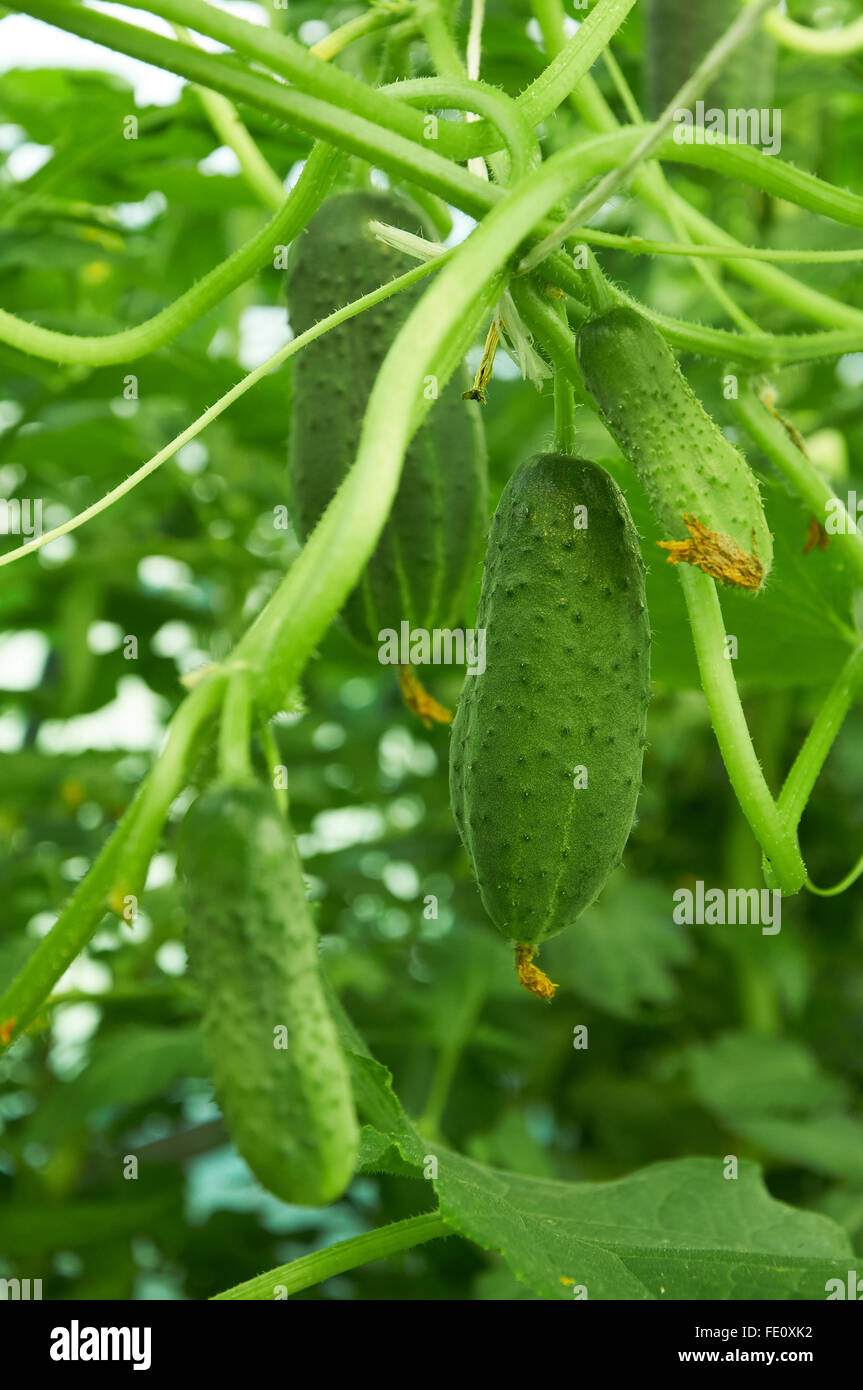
{"x": 431, "y": 544}
{"x": 566, "y": 687}
{"x": 701, "y": 489}
{"x": 679, "y": 34}
{"x": 253, "y": 949}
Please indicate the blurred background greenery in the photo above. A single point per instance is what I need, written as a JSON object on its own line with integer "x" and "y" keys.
{"x": 703, "y": 1040}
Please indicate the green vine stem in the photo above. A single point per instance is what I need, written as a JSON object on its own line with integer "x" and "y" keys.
{"x": 766, "y": 349}
{"x": 773, "y": 438}
{"x": 235, "y": 727}
{"x": 783, "y": 288}
{"x": 378, "y": 17}
{"x": 281, "y": 355}
{"x": 477, "y": 196}
{"x": 400, "y": 155}
{"x": 223, "y": 117}
{"x": 338, "y": 1259}
{"x": 291, "y": 60}
{"x": 823, "y": 43}
{"x": 564, "y": 403}
{"x": 805, "y": 770}
{"x": 273, "y": 757}
{"x": 644, "y": 246}
{"x": 118, "y": 864}
{"x": 591, "y": 105}
{"x": 653, "y": 177}
{"x": 713, "y": 63}
{"x": 520, "y": 141}
{"x": 551, "y": 330}
{"x": 445, "y": 57}
{"x": 842, "y": 886}
{"x": 309, "y": 192}
{"x": 729, "y": 724}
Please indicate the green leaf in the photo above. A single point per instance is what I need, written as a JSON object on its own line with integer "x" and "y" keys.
{"x": 744, "y": 1075}
{"x": 772, "y": 1093}
{"x": 677, "y": 1230}
{"x": 125, "y": 1069}
{"x": 831, "y": 1144}
{"x": 30, "y": 1228}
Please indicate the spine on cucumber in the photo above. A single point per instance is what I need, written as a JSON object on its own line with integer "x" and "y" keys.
{"x": 701, "y": 489}
{"x": 680, "y": 33}
{"x": 547, "y": 743}
{"x": 431, "y": 545}
{"x": 279, "y": 1073}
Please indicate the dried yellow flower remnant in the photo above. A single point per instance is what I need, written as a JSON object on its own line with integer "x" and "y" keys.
{"x": 483, "y": 375}
{"x": 529, "y": 975}
{"x": 420, "y": 702}
{"x": 816, "y": 536}
{"x": 717, "y": 555}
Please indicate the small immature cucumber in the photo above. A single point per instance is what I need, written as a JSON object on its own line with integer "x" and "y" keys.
{"x": 547, "y": 744}
{"x": 253, "y": 949}
{"x": 695, "y": 480}
{"x": 679, "y": 34}
{"x": 431, "y": 545}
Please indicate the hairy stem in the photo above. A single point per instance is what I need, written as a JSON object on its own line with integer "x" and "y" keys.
{"x": 732, "y": 734}
{"x": 801, "y": 780}
{"x": 707, "y": 69}
{"x": 118, "y": 864}
{"x": 598, "y": 115}
{"x": 212, "y": 413}
{"x": 338, "y": 1259}
{"x": 235, "y": 727}
{"x": 770, "y": 434}
{"x": 223, "y": 117}
{"x": 824, "y": 43}
{"x": 358, "y": 27}
{"x": 297, "y": 207}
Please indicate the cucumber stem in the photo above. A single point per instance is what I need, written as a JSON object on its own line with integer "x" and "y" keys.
{"x": 235, "y": 728}
{"x": 564, "y": 400}
{"x": 732, "y": 734}
{"x": 131, "y": 846}
{"x": 707, "y": 69}
{"x": 807, "y": 765}
{"x": 224, "y": 118}
{"x": 338, "y": 1259}
{"x": 377, "y": 18}
{"x": 772, "y": 436}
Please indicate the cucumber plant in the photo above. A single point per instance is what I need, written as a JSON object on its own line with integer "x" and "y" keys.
{"x": 389, "y": 495}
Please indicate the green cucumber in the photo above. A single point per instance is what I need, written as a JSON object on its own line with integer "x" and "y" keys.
{"x": 566, "y": 687}
{"x": 252, "y": 947}
{"x": 432, "y": 543}
{"x": 695, "y": 480}
{"x": 679, "y": 34}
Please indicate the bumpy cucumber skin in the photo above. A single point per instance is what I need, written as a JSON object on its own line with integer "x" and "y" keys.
{"x": 431, "y": 545}
{"x": 567, "y": 684}
{"x": 679, "y": 34}
{"x": 252, "y": 947}
{"x": 686, "y": 465}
